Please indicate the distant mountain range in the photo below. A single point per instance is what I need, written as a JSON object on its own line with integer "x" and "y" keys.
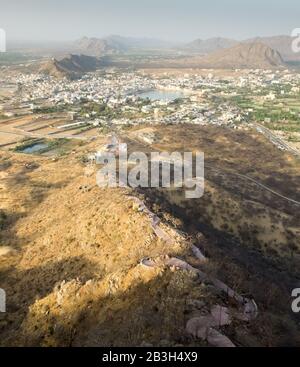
{"x": 281, "y": 44}
{"x": 116, "y": 44}
{"x": 217, "y": 53}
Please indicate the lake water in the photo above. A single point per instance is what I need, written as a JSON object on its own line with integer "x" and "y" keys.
{"x": 35, "y": 148}
{"x": 161, "y": 95}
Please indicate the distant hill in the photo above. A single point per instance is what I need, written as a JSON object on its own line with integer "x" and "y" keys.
{"x": 282, "y": 44}
{"x": 210, "y": 45}
{"x": 242, "y": 56}
{"x": 245, "y": 56}
{"x": 98, "y": 46}
{"x": 71, "y": 66}
{"x": 115, "y": 44}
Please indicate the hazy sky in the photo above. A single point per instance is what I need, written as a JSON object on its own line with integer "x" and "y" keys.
{"x": 181, "y": 20}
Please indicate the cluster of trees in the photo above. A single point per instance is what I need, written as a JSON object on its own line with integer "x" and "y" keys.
{"x": 50, "y": 109}
{"x": 99, "y": 110}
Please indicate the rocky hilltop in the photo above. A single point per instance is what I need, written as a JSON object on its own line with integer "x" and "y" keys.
{"x": 281, "y": 44}
{"x": 242, "y": 56}
{"x": 249, "y": 56}
{"x": 71, "y": 66}
{"x": 99, "y": 46}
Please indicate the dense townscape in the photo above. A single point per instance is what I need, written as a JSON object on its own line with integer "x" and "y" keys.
{"x": 119, "y": 89}
{"x": 118, "y": 97}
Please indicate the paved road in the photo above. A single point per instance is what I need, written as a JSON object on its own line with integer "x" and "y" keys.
{"x": 276, "y": 139}
{"x": 255, "y": 182}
